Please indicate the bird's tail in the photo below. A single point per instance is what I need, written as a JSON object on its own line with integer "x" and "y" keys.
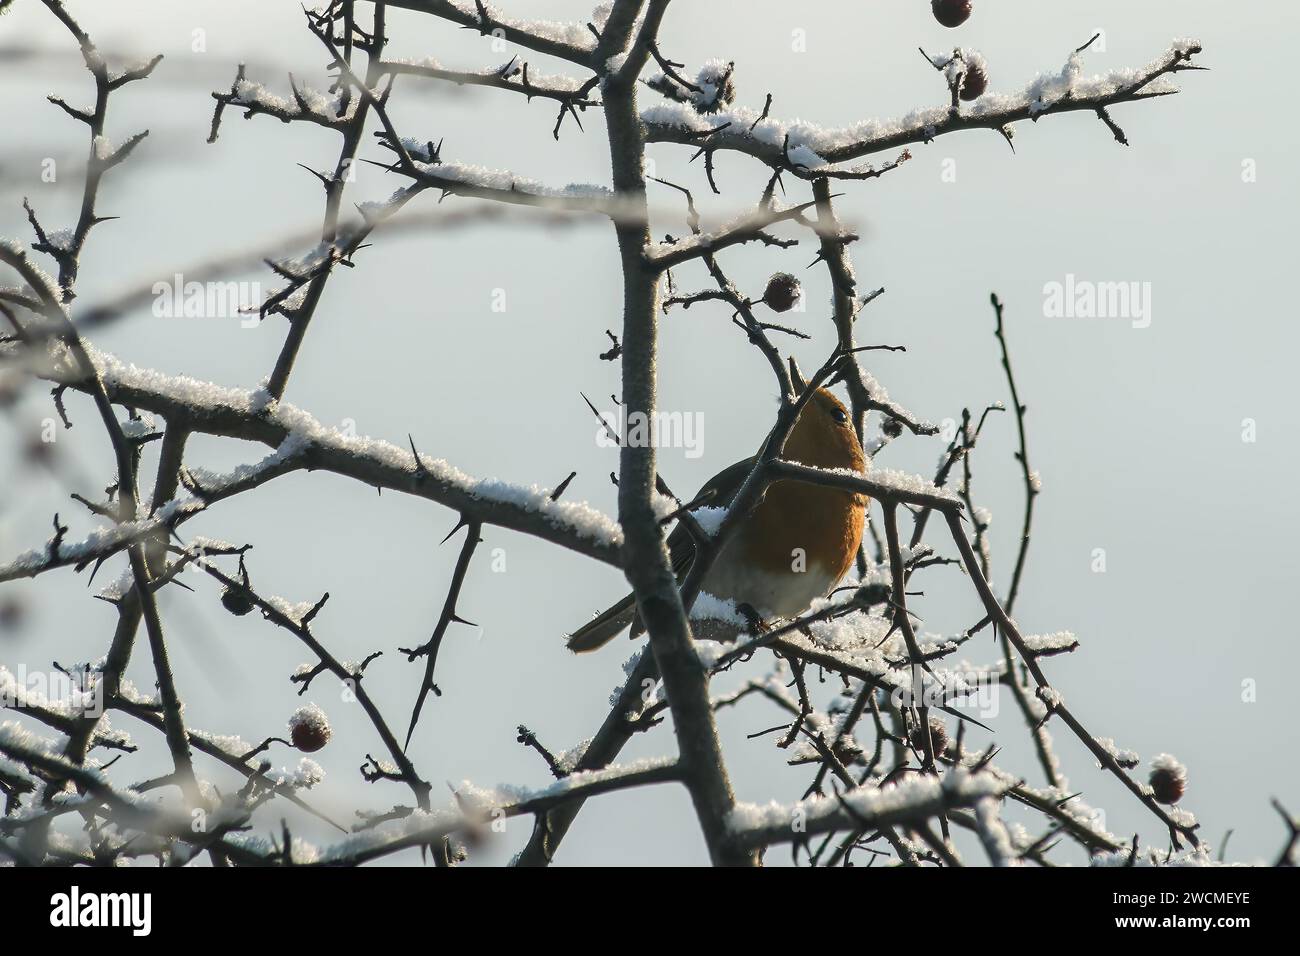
{"x": 601, "y": 629}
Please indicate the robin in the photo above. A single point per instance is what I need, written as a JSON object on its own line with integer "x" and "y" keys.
{"x": 793, "y": 548}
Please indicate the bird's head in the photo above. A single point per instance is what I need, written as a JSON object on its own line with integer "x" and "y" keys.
{"x": 823, "y": 435}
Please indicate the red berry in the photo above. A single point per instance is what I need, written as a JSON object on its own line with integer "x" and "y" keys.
{"x": 974, "y": 83}
{"x": 1168, "y": 779}
{"x": 938, "y": 735}
{"x": 309, "y": 729}
{"x": 308, "y": 739}
{"x": 783, "y": 291}
{"x": 951, "y": 13}
{"x": 236, "y": 600}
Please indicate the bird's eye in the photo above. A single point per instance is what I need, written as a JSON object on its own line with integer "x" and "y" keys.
{"x": 841, "y": 416}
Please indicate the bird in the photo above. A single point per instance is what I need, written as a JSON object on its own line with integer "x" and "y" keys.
{"x": 792, "y": 548}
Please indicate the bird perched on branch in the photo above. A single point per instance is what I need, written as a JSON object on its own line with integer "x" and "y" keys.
{"x": 791, "y": 549}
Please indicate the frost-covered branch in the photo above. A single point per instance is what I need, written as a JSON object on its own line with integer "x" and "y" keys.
{"x": 1182, "y": 824}
{"x": 353, "y": 131}
{"x": 882, "y": 485}
{"x": 911, "y": 801}
{"x": 568, "y": 41}
{"x": 65, "y": 246}
{"x": 127, "y": 809}
{"x": 86, "y": 376}
{"x": 303, "y": 442}
{"x": 865, "y": 393}
{"x": 306, "y": 105}
{"x": 570, "y": 93}
{"x": 299, "y": 625}
{"x": 783, "y": 145}
{"x": 627, "y": 715}
{"x": 216, "y": 747}
{"x": 750, "y": 228}
{"x": 865, "y": 744}
{"x": 99, "y": 544}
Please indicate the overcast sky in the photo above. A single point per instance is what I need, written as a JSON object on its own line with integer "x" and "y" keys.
{"x": 1136, "y": 431}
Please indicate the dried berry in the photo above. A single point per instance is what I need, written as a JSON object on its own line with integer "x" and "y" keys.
{"x": 975, "y": 82}
{"x": 783, "y": 291}
{"x": 309, "y": 729}
{"x": 236, "y": 600}
{"x": 1168, "y": 779}
{"x": 938, "y": 735}
{"x": 951, "y": 13}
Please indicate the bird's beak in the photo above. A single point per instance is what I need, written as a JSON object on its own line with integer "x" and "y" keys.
{"x": 800, "y": 383}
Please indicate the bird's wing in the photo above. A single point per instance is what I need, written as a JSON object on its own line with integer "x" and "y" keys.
{"x": 601, "y": 629}
{"x": 681, "y": 552}
{"x": 724, "y": 485}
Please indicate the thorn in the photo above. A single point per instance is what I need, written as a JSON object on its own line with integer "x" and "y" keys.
{"x": 462, "y": 523}
{"x": 555, "y": 495}
{"x": 419, "y": 465}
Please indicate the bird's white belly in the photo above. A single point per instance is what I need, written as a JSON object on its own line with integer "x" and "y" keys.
{"x": 785, "y": 594}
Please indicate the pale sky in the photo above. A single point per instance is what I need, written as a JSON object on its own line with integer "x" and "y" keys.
{"x": 1137, "y": 432}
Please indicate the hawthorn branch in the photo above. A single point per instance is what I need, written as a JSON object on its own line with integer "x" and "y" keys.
{"x": 907, "y": 804}
{"x": 1056, "y": 705}
{"x": 353, "y": 130}
{"x": 752, "y": 228}
{"x": 429, "y": 649}
{"x": 923, "y": 128}
{"x": 301, "y": 629}
{"x": 645, "y": 558}
{"x": 518, "y": 32}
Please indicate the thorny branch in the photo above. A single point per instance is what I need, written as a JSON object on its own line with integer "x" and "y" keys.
{"x": 877, "y": 794}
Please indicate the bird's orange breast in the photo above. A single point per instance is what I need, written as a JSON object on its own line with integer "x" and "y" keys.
{"x": 799, "y": 520}
{"x": 798, "y": 525}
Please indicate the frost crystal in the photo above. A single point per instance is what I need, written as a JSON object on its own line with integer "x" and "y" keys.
{"x": 310, "y": 718}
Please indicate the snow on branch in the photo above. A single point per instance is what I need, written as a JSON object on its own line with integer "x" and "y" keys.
{"x": 748, "y": 228}
{"x": 863, "y": 632}
{"x": 252, "y": 415}
{"x": 331, "y": 111}
{"x": 98, "y": 544}
{"x": 911, "y": 800}
{"x": 231, "y": 751}
{"x": 62, "y": 715}
{"x": 568, "y": 41}
{"x": 798, "y": 143}
{"x": 478, "y": 182}
{"x": 581, "y": 783}
{"x": 128, "y": 809}
{"x": 571, "y": 93}
{"x": 513, "y": 76}
{"x": 881, "y": 484}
